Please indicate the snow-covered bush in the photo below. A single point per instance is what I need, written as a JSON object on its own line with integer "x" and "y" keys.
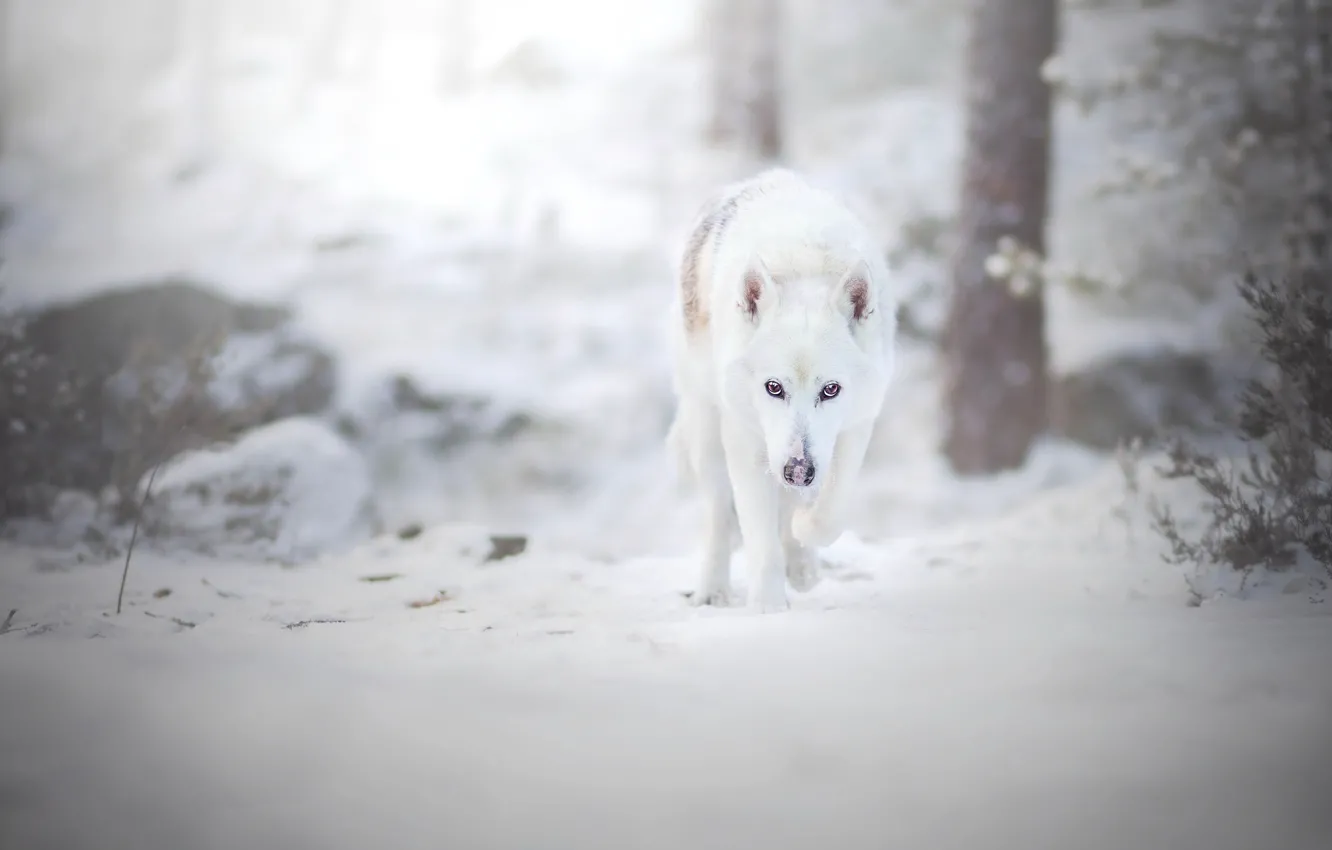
{"x": 1273, "y": 509}
{"x": 1276, "y": 506}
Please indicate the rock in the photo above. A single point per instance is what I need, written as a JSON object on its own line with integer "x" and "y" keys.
{"x": 430, "y": 448}
{"x": 505, "y": 546}
{"x": 287, "y": 491}
{"x": 404, "y": 415}
{"x": 72, "y": 517}
{"x": 263, "y": 377}
{"x": 171, "y": 315}
{"x": 458, "y": 419}
{"x": 136, "y": 374}
{"x": 411, "y": 531}
{"x": 1144, "y": 396}
{"x": 46, "y": 431}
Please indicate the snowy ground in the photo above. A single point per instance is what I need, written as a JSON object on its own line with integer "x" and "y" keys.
{"x": 1005, "y": 663}
{"x": 1031, "y": 681}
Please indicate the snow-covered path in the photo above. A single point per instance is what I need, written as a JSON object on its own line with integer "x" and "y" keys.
{"x": 1024, "y": 683}
{"x": 898, "y": 725}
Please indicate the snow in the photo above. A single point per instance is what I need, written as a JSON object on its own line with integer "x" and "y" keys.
{"x": 997, "y": 663}
{"x": 1028, "y": 681}
{"x": 286, "y": 491}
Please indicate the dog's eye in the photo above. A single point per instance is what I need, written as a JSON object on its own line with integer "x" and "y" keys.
{"x": 830, "y": 390}
{"x": 774, "y": 389}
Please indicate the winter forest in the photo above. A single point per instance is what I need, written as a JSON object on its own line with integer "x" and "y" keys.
{"x": 335, "y": 380}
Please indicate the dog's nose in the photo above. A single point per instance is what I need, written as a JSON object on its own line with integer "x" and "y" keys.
{"x": 798, "y": 472}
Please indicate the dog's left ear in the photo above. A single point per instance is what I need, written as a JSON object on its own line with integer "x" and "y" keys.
{"x": 853, "y": 294}
{"x": 756, "y": 291}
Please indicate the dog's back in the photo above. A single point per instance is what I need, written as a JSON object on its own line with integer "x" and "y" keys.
{"x": 794, "y": 227}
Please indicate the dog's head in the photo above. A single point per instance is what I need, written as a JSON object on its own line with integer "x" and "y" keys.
{"x": 809, "y": 368}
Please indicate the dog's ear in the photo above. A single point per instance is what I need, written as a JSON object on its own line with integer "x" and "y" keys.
{"x": 854, "y": 295}
{"x": 756, "y": 290}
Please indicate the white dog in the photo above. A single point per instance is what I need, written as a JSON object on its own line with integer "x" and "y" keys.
{"x": 783, "y": 356}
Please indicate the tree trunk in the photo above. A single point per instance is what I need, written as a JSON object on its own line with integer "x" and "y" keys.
{"x": 6, "y": 63}
{"x": 330, "y": 43}
{"x": 456, "y": 47}
{"x": 994, "y": 340}
{"x": 744, "y": 39}
{"x": 721, "y": 20}
{"x": 763, "y": 136}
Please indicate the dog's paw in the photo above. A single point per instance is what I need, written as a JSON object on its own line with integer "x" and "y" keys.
{"x": 810, "y": 529}
{"x": 718, "y": 597}
{"x": 802, "y": 569}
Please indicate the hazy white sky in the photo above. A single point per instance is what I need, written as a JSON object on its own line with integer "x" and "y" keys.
{"x": 590, "y": 30}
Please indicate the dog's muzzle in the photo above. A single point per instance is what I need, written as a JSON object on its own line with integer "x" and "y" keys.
{"x": 798, "y": 472}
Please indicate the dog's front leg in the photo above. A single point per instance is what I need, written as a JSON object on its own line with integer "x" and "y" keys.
{"x": 702, "y": 433}
{"x": 820, "y": 523}
{"x": 757, "y": 508}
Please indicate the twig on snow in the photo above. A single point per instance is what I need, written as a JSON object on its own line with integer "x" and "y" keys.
{"x": 134, "y": 535}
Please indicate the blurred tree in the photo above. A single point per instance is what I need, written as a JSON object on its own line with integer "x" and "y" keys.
{"x": 994, "y": 338}
{"x": 743, "y": 40}
{"x": 721, "y": 19}
{"x": 456, "y": 44}
{"x": 5, "y": 64}
{"x": 1195, "y": 108}
{"x": 1309, "y": 27}
{"x": 330, "y": 42}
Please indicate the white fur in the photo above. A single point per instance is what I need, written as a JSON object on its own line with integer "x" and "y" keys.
{"x": 801, "y": 245}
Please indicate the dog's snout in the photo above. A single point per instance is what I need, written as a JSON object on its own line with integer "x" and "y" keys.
{"x": 798, "y": 472}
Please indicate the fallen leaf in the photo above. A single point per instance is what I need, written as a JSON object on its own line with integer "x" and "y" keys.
{"x": 442, "y": 596}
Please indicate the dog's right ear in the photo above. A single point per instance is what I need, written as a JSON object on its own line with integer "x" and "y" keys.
{"x": 755, "y": 291}
{"x": 853, "y": 294}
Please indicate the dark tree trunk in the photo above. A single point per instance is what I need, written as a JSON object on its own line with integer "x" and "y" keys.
{"x": 996, "y": 390}
{"x": 6, "y": 62}
{"x": 744, "y": 53}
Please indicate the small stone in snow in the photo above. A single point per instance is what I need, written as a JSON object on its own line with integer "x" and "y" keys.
{"x": 505, "y": 546}
{"x": 410, "y": 531}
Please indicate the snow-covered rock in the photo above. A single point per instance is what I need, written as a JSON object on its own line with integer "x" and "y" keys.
{"x": 117, "y": 377}
{"x": 288, "y": 491}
